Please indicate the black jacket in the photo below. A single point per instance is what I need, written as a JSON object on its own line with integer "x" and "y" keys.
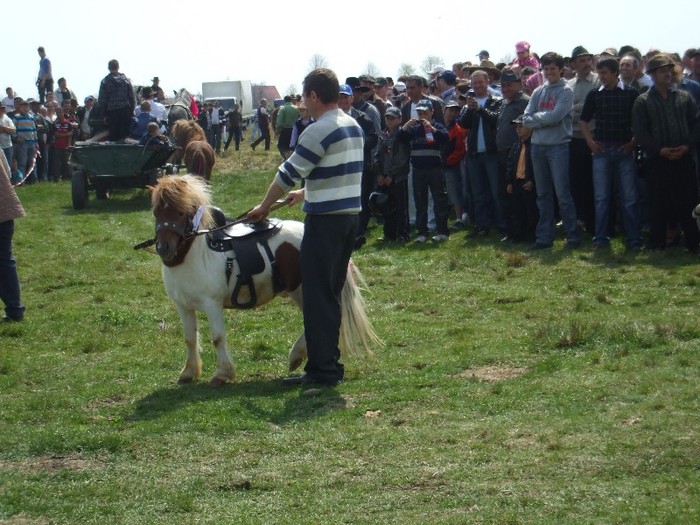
{"x": 486, "y": 116}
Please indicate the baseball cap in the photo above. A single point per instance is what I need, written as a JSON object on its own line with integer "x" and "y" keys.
{"x": 400, "y": 87}
{"x": 393, "y": 112}
{"x": 424, "y": 105}
{"x": 448, "y": 76}
{"x": 436, "y": 69}
{"x": 345, "y": 89}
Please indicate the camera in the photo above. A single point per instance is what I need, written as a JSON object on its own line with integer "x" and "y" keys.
{"x": 471, "y": 93}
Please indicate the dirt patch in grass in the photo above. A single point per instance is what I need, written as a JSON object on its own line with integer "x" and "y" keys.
{"x": 53, "y": 464}
{"x": 493, "y": 374}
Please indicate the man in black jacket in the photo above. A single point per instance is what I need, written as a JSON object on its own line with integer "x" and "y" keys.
{"x": 481, "y": 119}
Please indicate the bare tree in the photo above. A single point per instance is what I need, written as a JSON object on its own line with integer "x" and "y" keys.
{"x": 372, "y": 70}
{"x": 292, "y": 89}
{"x": 429, "y": 63}
{"x": 406, "y": 70}
{"x": 318, "y": 61}
{"x": 508, "y": 58}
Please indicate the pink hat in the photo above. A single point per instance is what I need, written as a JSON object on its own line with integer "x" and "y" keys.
{"x": 522, "y": 46}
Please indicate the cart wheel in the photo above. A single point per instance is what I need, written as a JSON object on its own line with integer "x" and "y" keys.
{"x": 79, "y": 191}
{"x": 101, "y": 191}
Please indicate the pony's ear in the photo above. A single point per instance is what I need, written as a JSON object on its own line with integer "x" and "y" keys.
{"x": 150, "y": 188}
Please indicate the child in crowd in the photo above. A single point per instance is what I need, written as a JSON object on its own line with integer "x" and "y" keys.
{"x": 62, "y": 137}
{"x": 452, "y": 154}
{"x": 139, "y": 124}
{"x": 521, "y": 186}
{"x": 153, "y": 138}
{"x": 391, "y": 166}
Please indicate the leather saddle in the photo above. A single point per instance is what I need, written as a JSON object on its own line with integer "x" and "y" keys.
{"x": 240, "y": 242}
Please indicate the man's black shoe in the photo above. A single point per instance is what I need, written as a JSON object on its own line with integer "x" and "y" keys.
{"x": 306, "y": 380}
{"x": 540, "y": 246}
{"x": 8, "y": 319}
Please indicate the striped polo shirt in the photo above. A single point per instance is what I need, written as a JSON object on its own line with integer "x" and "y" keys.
{"x": 329, "y": 157}
{"x": 26, "y": 127}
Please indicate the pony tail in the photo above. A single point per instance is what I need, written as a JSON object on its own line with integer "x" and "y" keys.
{"x": 355, "y": 327}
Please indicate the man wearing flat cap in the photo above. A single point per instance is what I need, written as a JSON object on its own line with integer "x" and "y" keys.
{"x": 579, "y": 155}
{"x": 665, "y": 124}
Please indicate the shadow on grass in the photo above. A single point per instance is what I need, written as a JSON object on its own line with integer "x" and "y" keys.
{"x": 304, "y": 405}
{"x": 120, "y": 201}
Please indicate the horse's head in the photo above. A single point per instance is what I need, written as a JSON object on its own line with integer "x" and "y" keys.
{"x": 180, "y": 206}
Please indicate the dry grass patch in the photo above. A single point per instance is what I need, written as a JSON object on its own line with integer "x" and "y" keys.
{"x": 493, "y": 374}
{"x": 49, "y": 464}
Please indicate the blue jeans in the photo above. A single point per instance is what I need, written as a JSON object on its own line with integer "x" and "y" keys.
{"x": 551, "y": 167}
{"x": 24, "y": 153}
{"x": 613, "y": 164}
{"x": 9, "y": 281}
{"x": 430, "y": 180}
{"x": 8, "y": 156}
{"x": 487, "y": 191}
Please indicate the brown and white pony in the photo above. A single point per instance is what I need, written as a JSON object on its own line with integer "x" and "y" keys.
{"x": 195, "y": 277}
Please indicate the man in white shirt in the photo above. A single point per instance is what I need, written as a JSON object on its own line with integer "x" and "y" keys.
{"x": 7, "y": 129}
{"x": 9, "y": 100}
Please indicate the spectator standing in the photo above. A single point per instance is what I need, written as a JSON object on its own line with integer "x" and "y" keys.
{"x": 580, "y": 159}
{"x": 43, "y": 132}
{"x": 612, "y": 146}
{"x": 117, "y": 99}
{"x": 83, "y": 115}
{"x": 548, "y": 114}
{"x": 331, "y": 166}
{"x": 216, "y": 121}
{"x": 44, "y": 81}
{"x": 62, "y": 138}
{"x": 7, "y": 130}
{"x": 26, "y": 142}
{"x": 513, "y": 105}
{"x": 286, "y": 117}
{"x": 453, "y": 153}
{"x": 303, "y": 122}
{"x": 665, "y": 123}
{"x": 480, "y": 120}
{"x": 263, "y": 118}
{"x": 64, "y": 92}
{"x": 346, "y": 96}
{"x": 234, "y": 121}
{"x": 10, "y": 209}
{"x": 426, "y": 136}
{"x": 9, "y": 100}
{"x": 391, "y": 169}
{"x": 520, "y": 185}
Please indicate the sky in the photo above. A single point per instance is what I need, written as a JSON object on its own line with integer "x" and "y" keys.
{"x": 273, "y": 43}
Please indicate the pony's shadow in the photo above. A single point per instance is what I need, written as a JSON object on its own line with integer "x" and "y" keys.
{"x": 301, "y": 405}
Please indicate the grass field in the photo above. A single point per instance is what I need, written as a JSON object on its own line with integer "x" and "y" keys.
{"x": 514, "y": 387}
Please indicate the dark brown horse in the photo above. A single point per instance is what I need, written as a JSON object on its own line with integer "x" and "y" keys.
{"x": 199, "y": 158}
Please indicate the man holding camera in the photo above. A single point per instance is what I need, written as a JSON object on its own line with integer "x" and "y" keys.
{"x": 480, "y": 120}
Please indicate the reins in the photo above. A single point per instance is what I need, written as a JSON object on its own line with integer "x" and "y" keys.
{"x": 187, "y": 234}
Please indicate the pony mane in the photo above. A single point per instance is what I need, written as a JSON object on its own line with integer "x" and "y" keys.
{"x": 185, "y": 131}
{"x": 186, "y": 194}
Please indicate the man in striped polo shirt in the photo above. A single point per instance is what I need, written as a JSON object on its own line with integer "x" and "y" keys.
{"x": 26, "y": 141}
{"x": 329, "y": 158}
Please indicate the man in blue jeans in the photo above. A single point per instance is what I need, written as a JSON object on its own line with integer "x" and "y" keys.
{"x": 612, "y": 145}
{"x": 10, "y": 209}
{"x": 548, "y": 114}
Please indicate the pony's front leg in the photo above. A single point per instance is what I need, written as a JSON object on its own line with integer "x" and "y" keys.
{"x": 193, "y": 365}
{"x": 298, "y": 353}
{"x": 225, "y": 371}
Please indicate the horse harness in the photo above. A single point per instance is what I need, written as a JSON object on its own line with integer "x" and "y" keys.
{"x": 240, "y": 242}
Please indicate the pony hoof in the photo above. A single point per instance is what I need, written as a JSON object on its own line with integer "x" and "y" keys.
{"x": 184, "y": 380}
{"x": 217, "y": 382}
{"x": 293, "y": 365}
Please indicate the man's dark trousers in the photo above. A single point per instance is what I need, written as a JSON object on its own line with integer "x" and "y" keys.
{"x": 325, "y": 253}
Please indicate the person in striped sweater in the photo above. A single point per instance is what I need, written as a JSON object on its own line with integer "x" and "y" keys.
{"x": 329, "y": 158}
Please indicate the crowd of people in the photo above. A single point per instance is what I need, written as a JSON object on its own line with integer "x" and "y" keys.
{"x": 599, "y": 143}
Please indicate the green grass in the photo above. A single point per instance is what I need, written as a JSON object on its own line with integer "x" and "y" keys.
{"x": 513, "y": 388}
